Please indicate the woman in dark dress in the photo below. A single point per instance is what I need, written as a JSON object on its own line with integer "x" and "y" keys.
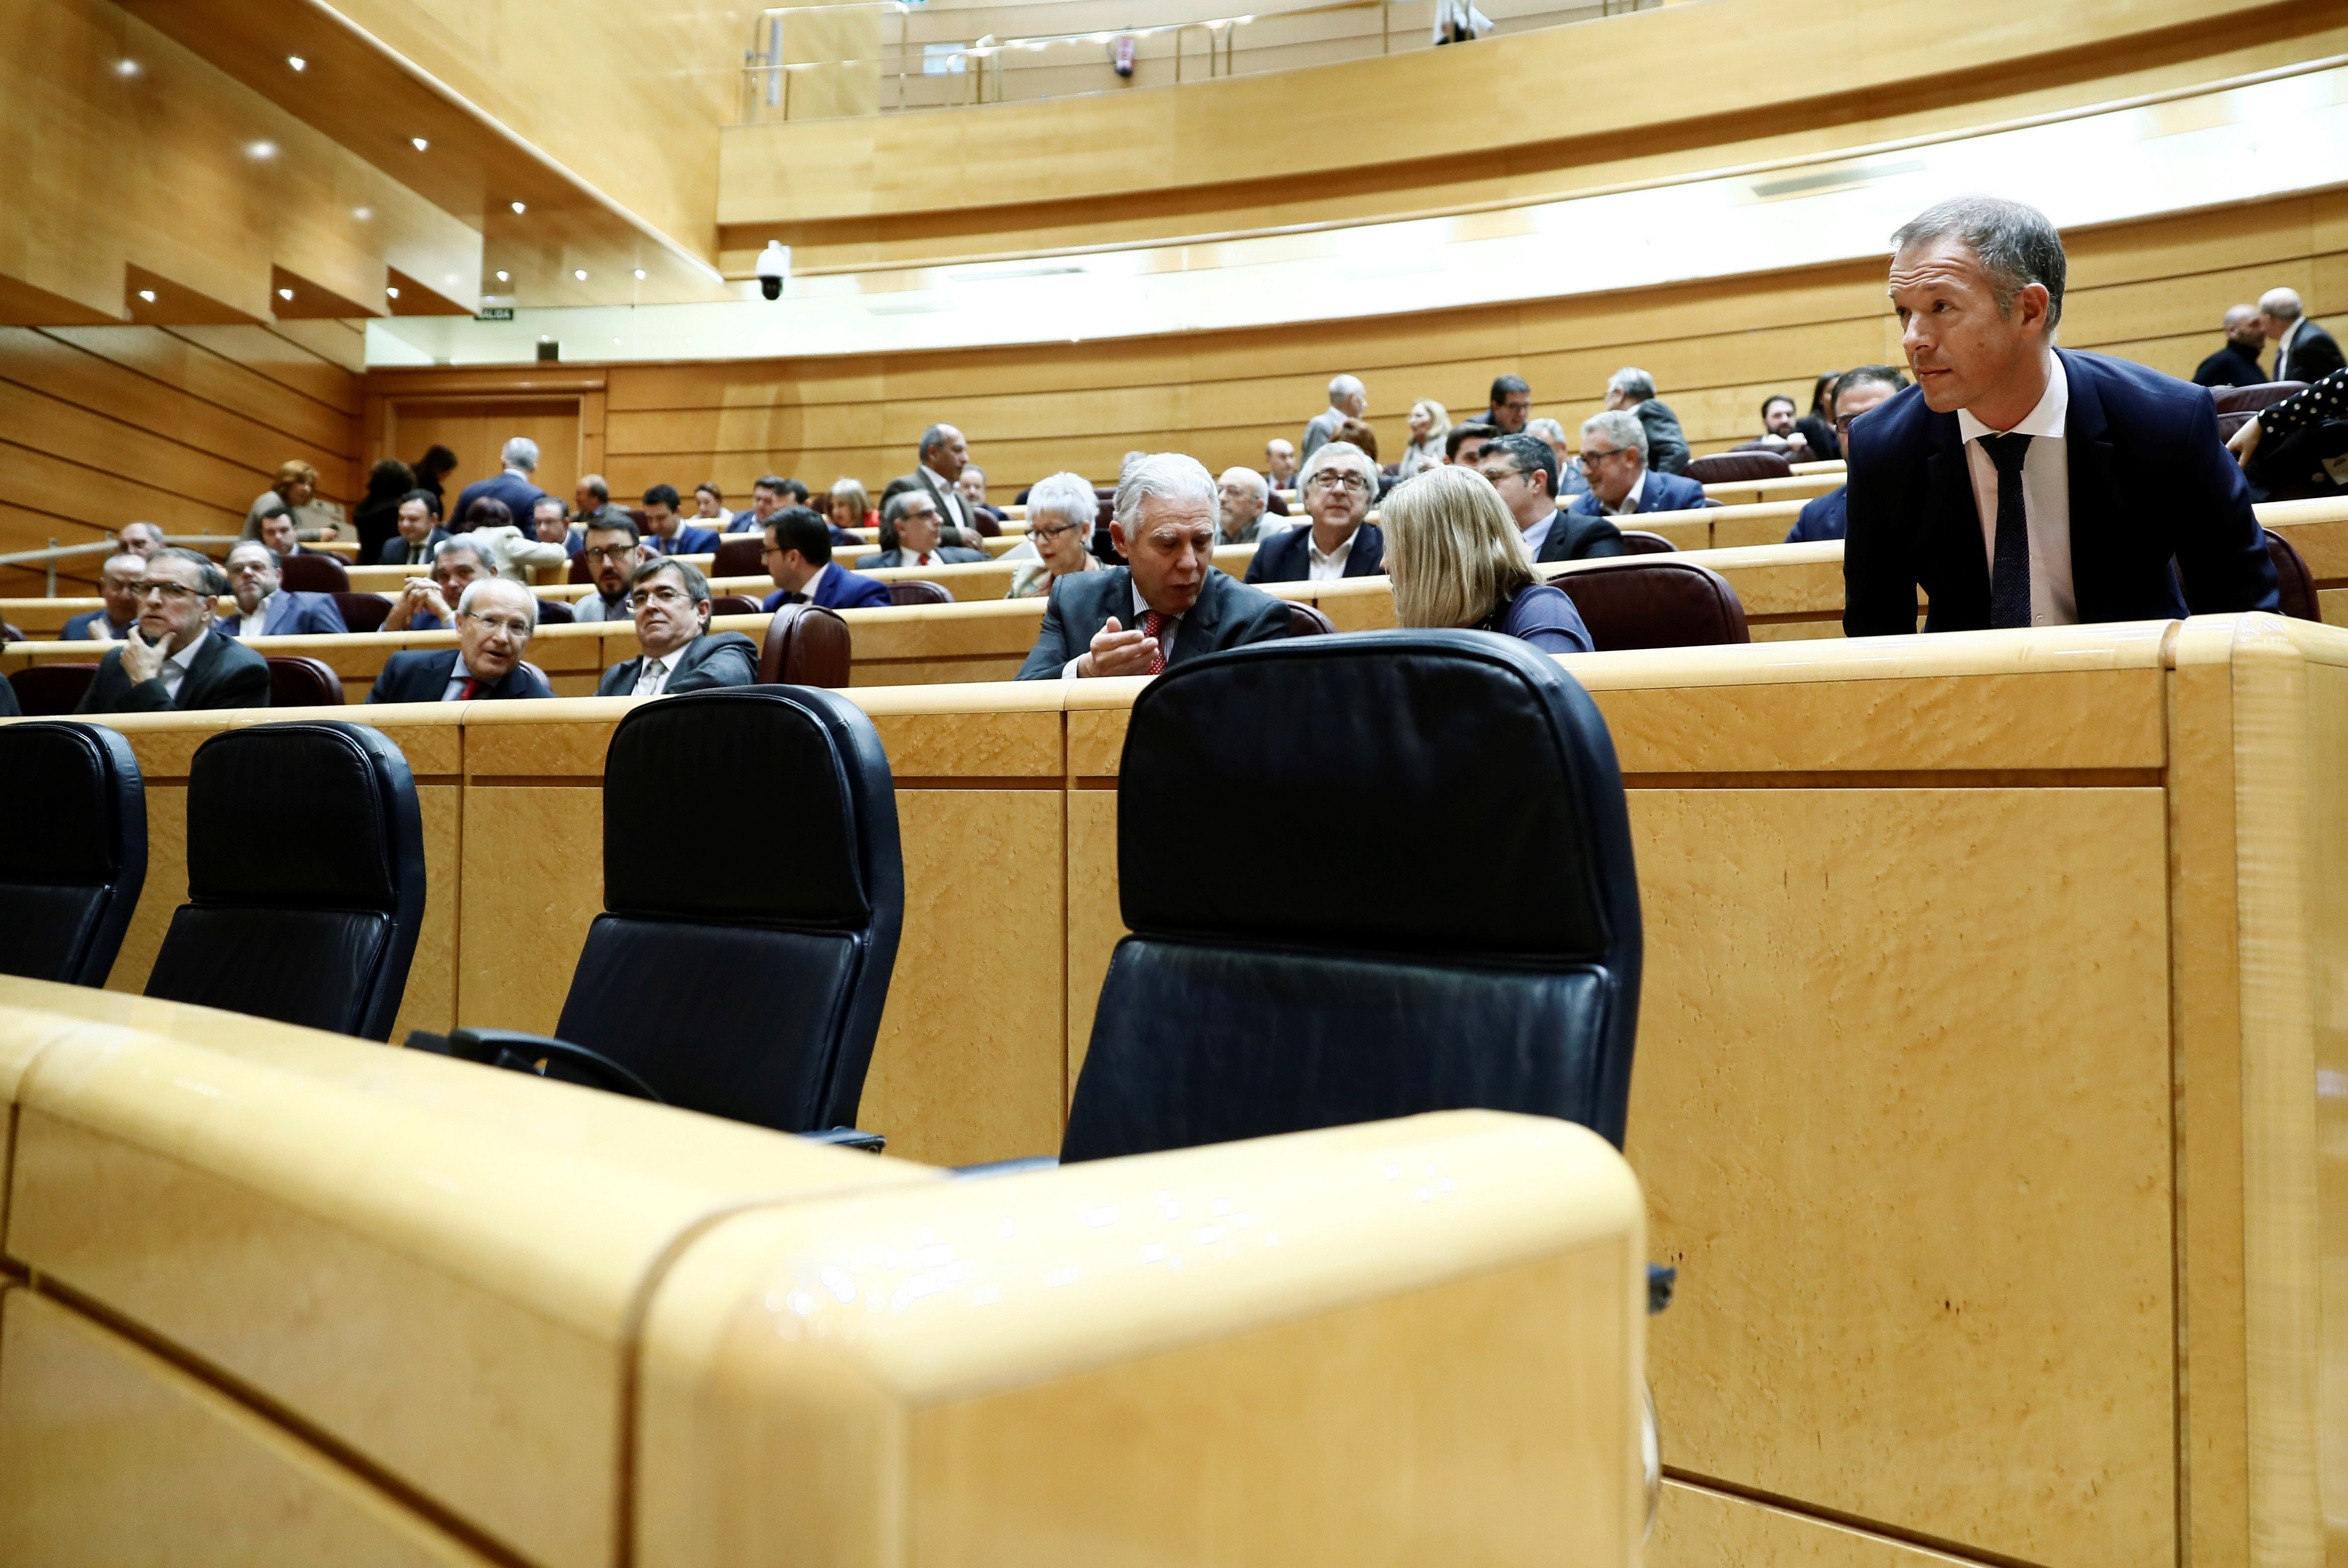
{"x": 377, "y": 517}
{"x": 432, "y": 471}
{"x": 1457, "y": 560}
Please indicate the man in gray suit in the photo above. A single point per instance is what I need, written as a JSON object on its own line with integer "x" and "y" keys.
{"x": 1348, "y": 399}
{"x": 1170, "y": 605}
{"x": 1633, "y": 389}
{"x": 912, "y": 517}
{"x": 670, "y": 600}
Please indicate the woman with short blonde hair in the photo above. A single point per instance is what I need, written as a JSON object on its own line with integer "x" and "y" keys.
{"x": 1429, "y": 423}
{"x": 1457, "y": 560}
{"x": 849, "y": 505}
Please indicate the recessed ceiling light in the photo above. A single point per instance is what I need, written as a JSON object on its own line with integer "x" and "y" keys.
{"x": 297, "y": 62}
{"x": 147, "y": 295}
{"x": 419, "y": 143}
{"x": 505, "y": 277}
{"x": 520, "y": 207}
{"x": 261, "y": 149}
{"x": 363, "y": 213}
{"x": 615, "y": 343}
{"x": 394, "y": 293}
{"x": 285, "y": 294}
{"x": 640, "y": 273}
{"x": 580, "y": 274}
{"x": 126, "y": 67}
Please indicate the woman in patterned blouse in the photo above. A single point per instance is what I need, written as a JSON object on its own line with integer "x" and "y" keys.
{"x": 2324, "y": 400}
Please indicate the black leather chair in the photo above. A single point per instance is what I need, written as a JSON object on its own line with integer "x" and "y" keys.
{"x": 54, "y": 686}
{"x": 314, "y": 928}
{"x": 1720, "y": 468}
{"x": 314, "y": 573}
{"x": 75, "y": 855}
{"x": 298, "y": 682}
{"x": 1492, "y": 962}
{"x": 1308, "y": 621}
{"x": 916, "y": 591}
{"x": 362, "y": 612}
{"x": 2295, "y": 582}
{"x": 755, "y": 995}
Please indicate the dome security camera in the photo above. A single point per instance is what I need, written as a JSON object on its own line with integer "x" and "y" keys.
{"x": 774, "y": 269}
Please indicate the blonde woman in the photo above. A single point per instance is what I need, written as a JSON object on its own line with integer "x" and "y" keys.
{"x": 1457, "y": 560}
{"x": 849, "y": 505}
{"x": 1061, "y": 511}
{"x": 1429, "y": 423}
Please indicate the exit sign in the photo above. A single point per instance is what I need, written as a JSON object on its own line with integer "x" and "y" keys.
{"x": 495, "y": 313}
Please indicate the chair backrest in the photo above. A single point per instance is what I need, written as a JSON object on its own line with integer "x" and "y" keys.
{"x": 556, "y": 612}
{"x": 580, "y": 572}
{"x": 983, "y": 525}
{"x": 2295, "y": 582}
{"x": 76, "y": 856}
{"x": 46, "y": 688}
{"x": 917, "y": 593}
{"x": 732, "y": 604}
{"x": 2250, "y": 400}
{"x": 807, "y": 645}
{"x": 1654, "y": 602}
{"x": 296, "y": 682}
{"x": 314, "y": 928}
{"x": 741, "y": 555}
{"x": 1497, "y": 968}
{"x": 1639, "y": 542}
{"x": 362, "y": 612}
{"x": 1720, "y": 468}
{"x": 755, "y": 995}
{"x": 307, "y": 573}
{"x": 1274, "y": 505}
{"x": 1308, "y": 621}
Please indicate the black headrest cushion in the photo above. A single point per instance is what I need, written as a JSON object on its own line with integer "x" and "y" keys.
{"x": 789, "y": 839}
{"x": 292, "y": 816}
{"x": 1409, "y": 792}
{"x": 57, "y": 784}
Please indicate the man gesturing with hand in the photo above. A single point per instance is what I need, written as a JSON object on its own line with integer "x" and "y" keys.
{"x": 172, "y": 659}
{"x": 1169, "y": 603}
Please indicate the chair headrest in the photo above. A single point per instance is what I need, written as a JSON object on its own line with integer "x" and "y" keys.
{"x": 1415, "y": 792}
{"x": 790, "y": 756}
{"x": 296, "y": 816}
{"x": 59, "y": 786}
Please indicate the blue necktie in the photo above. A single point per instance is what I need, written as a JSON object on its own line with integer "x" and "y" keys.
{"x": 2009, "y": 572}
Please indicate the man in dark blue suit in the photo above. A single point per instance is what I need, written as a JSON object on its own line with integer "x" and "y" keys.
{"x": 798, "y": 558}
{"x": 1614, "y": 456}
{"x": 1854, "y": 392}
{"x": 265, "y": 610}
{"x": 514, "y": 486}
{"x": 420, "y": 531}
{"x": 118, "y": 583}
{"x": 1523, "y": 469}
{"x": 1340, "y": 479}
{"x": 2018, "y": 484}
{"x": 495, "y": 619}
{"x": 677, "y": 651}
{"x": 666, "y": 529}
{"x": 1170, "y": 605}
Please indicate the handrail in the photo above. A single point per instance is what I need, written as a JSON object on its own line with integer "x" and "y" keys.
{"x": 56, "y": 553}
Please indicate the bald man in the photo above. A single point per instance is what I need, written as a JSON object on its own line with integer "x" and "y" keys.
{"x": 2237, "y": 364}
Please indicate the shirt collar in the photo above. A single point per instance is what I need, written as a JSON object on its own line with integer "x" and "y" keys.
{"x": 260, "y": 609}
{"x": 809, "y": 586}
{"x": 1630, "y": 499}
{"x": 1141, "y": 606}
{"x": 1312, "y": 546}
{"x": 2044, "y": 420}
{"x": 187, "y": 655}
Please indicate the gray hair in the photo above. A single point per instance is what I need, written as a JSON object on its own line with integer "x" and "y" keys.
{"x": 479, "y": 585}
{"x": 1633, "y": 383}
{"x": 1339, "y": 455}
{"x": 521, "y": 453}
{"x": 1345, "y": 386}
{"x": 209, "y": 576}
{"x": 932, "y": 440}
{"x": 688, "y": 576}
{"x": 1621, "y": 426}
{"x": 2237, "y": 314}
{"x": 471, "y": 547}
{"x": 1548, "y": 430}
{"x": 1169, "y": 476}
{"x": 2014, "y": 242}
{"x": 1249, "y": 477}
{"x": 1068, "y": 497}
{"x": 2281, "y": 304}
{"x": 893, "y": 509}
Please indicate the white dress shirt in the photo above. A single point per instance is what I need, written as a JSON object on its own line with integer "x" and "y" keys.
{"x": 174, "y": 669}
{"x": 1630, "y": 500}
{"x": 1140, "y": 609}
{"x": 1331, "y": 566}
{"x": 2283, "y": 349}
{"x": 250, "y": 626}
{"x": 652, "y": 675}
{"x": 2045, "y": 498}
{"x": 1538, "y": 534}
{"x": 956, "y": 509}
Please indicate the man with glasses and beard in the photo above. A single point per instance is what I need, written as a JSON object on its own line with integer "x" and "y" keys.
{"x": 172, "y": 659}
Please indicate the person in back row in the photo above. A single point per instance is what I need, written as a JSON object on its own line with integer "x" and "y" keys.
{"x": 1856, "y": 391}
{"x": 1429, "y": 422}
{"x": 941, "y": 456}
{"x": 263, "y": 609}
{"x": 513, "y": 485}
{"x": 1279, "y": 464}
{"x": 1522, "y": 471}
{"x": 1633, "y": 390}
{"x": 1340, "y": 479}
{"x": 1511, "y": 404}
{"x": 612, "y": 550}
{"x": 118, "y": 585}
{"x": 171, "y": 661}
{"x": 420, "y": 531}
{"x": 139, "y": 539}
{"x": 798, "y": 558}
{"x": 1240, "y": 512}
{"x": 671, "y": 600}
{"x": 1061, "y": 511}
{"x": 1458, "y": 559}
{"x": 495, "y": 621}
{"x": 2019, "y": 484}
{"x": 2237, "y": 364}
{"x": 912, "y": 517}
{"x": 2304, "y": 351}
{"x": 1465, "y": 442}
{"x": 666, "y": 532}
{"x": 1614, "y": 457}
{"x": 1169, "y": 605}
{"x": 426, "y": 604}
{"x": 1348, "y": 399}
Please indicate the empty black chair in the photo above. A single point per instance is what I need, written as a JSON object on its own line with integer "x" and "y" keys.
{"x": 75, "y": 856}
{"x": 316, "y": 927}
{"x": 918, "y": 593}
{"x": 755, "y": 995}
{"x": 1494, "y": 963}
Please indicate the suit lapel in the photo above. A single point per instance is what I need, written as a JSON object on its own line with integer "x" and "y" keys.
{"x": 1202, "y": 622}
{"x": 2087, "y": 460}
{"x": 199, "y": 669}
{"x": 1954, "y": 568}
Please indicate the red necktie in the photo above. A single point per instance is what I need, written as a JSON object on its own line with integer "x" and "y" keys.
{"x": 1153, "y": 624}
{"x": 924, "y": 559}
{"x": 472, "y": 684}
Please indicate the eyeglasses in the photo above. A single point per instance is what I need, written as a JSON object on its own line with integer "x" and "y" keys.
{"x": 1326, "y": 480}
{"x": 1041, "y": 533}
{"x": 614, "y": 553}
{"x": 663, "y": 594}
{"x": 511, "y": 627}
{"x": 171, "y": 591}
{"x": 1593, "y": 455}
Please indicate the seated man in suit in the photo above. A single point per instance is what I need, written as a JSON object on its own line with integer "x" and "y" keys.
{"x": 972, "y": 487}
{"x": 1340, "y": 479}
{"x": 1243, "y": 494}
{"x": 2019, "y": 484}
{"x": 2304, "y": 351}
{"x": 1169, "y": 603}
{"x": 549, "y": 524}
{"x": 495, "y": 621}
{"x": 420, "y": 531}
{"x": 1279, "y": 464}
{"x": 171, "y": 661}
{"x": 1614, "y": 457}
{"x": 665, "y": 530}
{"x": 612, "y": 552}
{"x": 139, "y": 539}
{"x": 1854, "y": 392}
{"x": 1523, "y": 470}
{"x": 671, "y": 600}
{"x": 118, "y": 585}
{"x": 278, "y": 532}
{"x": 1632, "y": 390}
{"x": 912, "y": 517}
{"x": 942, "y": 453}
{"x": 798, "y": 558}
{"x": 768, "y": 496}
{"x": 424, "y": 604}
{"x": 263, "y": 609}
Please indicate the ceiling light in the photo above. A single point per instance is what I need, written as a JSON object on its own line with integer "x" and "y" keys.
{"x": 261, "y": 149}
{"x": 285, "y": 294}
{"x": 615, "y": 343}
{"x": 419, "y": 143}
{"x": 297, "y": 62}
{"x": 394, "y": 293}
{"x": 580, "y": 274}
{"x": 639, "y": 274}
{"x": 147, "y": 295}
{"x": 363, "y": 213}
{"x": 126, "y": 67}
{"x": 505, "y": 277}
{"x": 520, "y": 207}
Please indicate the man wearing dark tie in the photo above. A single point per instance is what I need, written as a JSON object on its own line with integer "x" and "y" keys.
{"x": 420, "y": 531}
{"x": 2019, "y": 484}
{"x": 798, "y": 558}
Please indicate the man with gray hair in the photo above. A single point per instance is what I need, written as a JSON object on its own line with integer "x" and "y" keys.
{"x": 495, "y": 621}
{"x": 1614, "y": 453}
{"x": 2304, "y": 351}
{"x": 1633, "y": 389}
{"x": 514, "y": 486}
{"x": 1348, "y": 399}
{"x": 910, "y": 518}
{"x": 2237, "y": 364}
{"x": 1340, "y": 482}
{"x": 1241, "y": 494}
{"x": 1570, "y": 479}
{"x": 678, "y": 651}
{"x": 2019, "y": 484}
{"x": 944, "y": 452}
{"x": 425, "y": 604}
{"x": 171, "y": 661}
{"x": 1168, "y": 604}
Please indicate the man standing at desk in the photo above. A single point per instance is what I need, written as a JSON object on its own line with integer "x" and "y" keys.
{"x": 2022, "y": 485}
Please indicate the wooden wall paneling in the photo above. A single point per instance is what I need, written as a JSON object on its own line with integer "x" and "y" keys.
{"x": 210, "y": 371}
{"x": 155, "y": 463}
{"x": 477, "y": 429}
{"x": 1697, "y": 1526}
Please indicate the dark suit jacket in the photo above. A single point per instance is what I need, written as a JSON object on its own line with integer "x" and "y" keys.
{"x": 1288, "y": 558}
{"x": 1667, "y": 448}
{"x": 689, "y": 540}
{"x": 1824, "y": 517}
{"x": 947, "y": 555}
{"x": 422, "y": 674}
{"x": 395, "y": 549}
{"x": 1662, "y": 493}
{"x": 80, "y": 628}
{"x": 518, "y": 494}
{"x": 9, "y": 707}
{"x": 2231, "y": 367}
{"x": 2150, "y": 484}
{"x": 839, "y": 590}
{"x": 224, "y": 674}
{"x": 2314, "y": 355}
{"x": 1580, "y": 535}
{"x": 1228, "y": 615}
{"x": 293, "y": 615}
{"x": 948, "y": 501}
{"x": 716, "y": 659}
